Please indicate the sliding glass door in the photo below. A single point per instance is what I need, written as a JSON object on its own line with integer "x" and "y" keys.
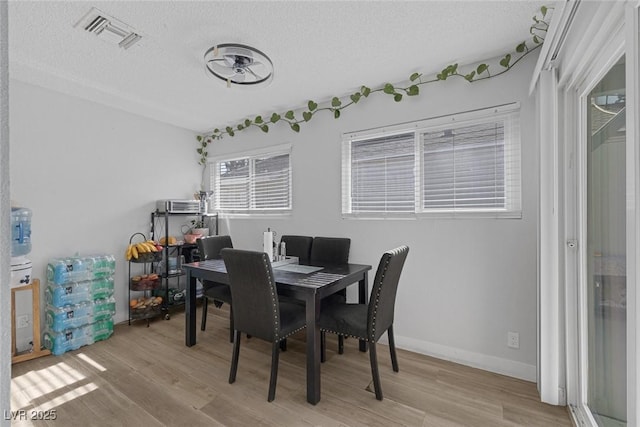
{"x": 604, "y": 283}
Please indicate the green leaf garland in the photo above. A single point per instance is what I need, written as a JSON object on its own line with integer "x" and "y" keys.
{"x": 537, "y": 30}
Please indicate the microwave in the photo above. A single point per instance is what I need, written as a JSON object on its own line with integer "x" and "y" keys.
{"x": 178, "y": 206}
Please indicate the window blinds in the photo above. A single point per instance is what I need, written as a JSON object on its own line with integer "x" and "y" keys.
{"x": 382, "y": 176}
{"x": 472, "y": 167}
{"x": 465, "y": 164}
{"x": 257, "y": 183}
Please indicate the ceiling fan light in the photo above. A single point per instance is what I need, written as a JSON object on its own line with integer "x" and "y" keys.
{"x": 232, "y": 63}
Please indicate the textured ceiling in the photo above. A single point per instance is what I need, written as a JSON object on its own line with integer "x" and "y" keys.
{"x": 319, "y": 49}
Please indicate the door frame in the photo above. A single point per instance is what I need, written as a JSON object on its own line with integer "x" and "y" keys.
{"x": 619, "y": 39}
{"x": 570, "y": 63}
{"x": 578, "y": 223}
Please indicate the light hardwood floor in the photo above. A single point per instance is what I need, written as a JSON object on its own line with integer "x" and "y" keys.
{"x": 147, "y": 377}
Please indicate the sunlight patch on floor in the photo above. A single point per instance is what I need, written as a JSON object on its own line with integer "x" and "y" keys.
{"x": 91, "y": 362}
{"x": 44, "y": 381}
{"x": 37, "y": 384}
{"x": 66, "y": 397}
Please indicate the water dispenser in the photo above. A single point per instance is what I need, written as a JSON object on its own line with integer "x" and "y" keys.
{"x": 20, "y": 231}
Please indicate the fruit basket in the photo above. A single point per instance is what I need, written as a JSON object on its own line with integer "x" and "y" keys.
{"x": 145, "y": 282}
{"x": 145, "y": 307}
{"x": 148, "y": 257}
{"x": 143, "y": 252}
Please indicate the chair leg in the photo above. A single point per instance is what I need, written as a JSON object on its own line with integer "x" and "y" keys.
{"x": 340, "y": 344}
{"x": 283, "y": 345}
{"x": 323, "y": 347}
{"x": 230, "y": 323}
{"x": 374, "y": 370}
{"x": 275, "y": 353}
{"x": 392, "y": 349}
{"x": 205, "y": 306}
{"x": 234, "y": 358}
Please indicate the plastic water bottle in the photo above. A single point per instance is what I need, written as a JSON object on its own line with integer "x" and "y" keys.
{"x": 66, "y": 270}
{"x": 73, "y": 316}
{"x": 20, "y": 231}
{"x": 77, "y": 292}
{"x": 74, "y": 338}
{"x": 283, "y": 250}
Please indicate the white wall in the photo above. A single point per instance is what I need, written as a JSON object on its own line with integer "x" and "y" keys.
{"x": 92, "y": 175}
{"x": 467, "y": 282}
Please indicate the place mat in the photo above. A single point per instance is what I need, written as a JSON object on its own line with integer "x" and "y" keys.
{"x": 297, "y": 268}
{"x": 214, "y": 265}
{"x": 320, "y": 279}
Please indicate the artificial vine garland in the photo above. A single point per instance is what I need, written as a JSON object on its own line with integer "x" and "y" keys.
{"x": 481, "y": 72}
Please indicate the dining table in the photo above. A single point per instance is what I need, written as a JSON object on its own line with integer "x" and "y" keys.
{"x": 307, "y": 282}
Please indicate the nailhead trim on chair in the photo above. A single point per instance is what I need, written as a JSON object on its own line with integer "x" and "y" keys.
{"x": 292, "y": 332}
{"x": 345, "y": 335}
{"x": 273, "y": 297}
{"x": 274, "y": 304}
{"x": 377, "y": 299}
{"x": 392, "y": 252}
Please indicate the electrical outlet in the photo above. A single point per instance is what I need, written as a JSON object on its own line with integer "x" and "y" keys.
{"x": 513, "y": 339}
{"x": 22, "y": 321}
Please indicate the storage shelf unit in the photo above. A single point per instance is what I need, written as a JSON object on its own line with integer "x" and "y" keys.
{"x": 168, "y": 271}
{"x": 142, "y": 284}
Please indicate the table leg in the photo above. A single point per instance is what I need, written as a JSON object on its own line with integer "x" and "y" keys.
{"x": 313, "y": 349}
{"x": 363, "y": 295}
{"x": 190, "y": 310}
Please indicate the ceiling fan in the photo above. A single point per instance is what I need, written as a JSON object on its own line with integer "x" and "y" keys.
{"x": 238, "y": 64}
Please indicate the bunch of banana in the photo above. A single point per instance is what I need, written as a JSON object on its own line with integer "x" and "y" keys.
{"x": 135, "y": 249}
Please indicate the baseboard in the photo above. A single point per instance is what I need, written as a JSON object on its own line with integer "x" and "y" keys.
{"x": 495, "y": 364}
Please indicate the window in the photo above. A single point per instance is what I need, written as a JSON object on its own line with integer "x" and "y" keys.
{"x": 382, "y": 175}
{"x": 465, "y": 164}
{"x": 259, "y": 182}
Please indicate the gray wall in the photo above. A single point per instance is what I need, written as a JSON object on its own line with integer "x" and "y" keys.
{"x": 467, "y": 282}
{"x": 92, "y": 175}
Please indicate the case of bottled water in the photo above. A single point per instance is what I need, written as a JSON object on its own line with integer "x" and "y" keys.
{"x": 74, "y": 338}
{"x": 77, "y": 292}
{"x": 76, "y": 315}
{"x": 75, "y": 269}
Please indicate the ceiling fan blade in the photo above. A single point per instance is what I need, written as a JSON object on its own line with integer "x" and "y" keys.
{"x": 257, "y": 77}
{"x": 221, "y": 69}
{"x": 240, "y": 51}
{"x": 229, "y": 59}
{"x": 260, "y": 68}
{"x": 238, "y": 77}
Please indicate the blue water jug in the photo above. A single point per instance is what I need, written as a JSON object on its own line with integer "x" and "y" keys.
{"x": 20, "y": 231}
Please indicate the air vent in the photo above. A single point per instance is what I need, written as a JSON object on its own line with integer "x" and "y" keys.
{"x": 108, "y": 28}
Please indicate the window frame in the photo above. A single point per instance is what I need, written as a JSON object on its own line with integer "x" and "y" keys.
{"x": 213, "y": 164}
{"x": 513, "y": 169}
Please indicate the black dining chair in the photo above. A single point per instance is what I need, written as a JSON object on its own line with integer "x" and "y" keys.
{"x": 209, "y": 248}
{"x": 331, "y": 250}
{"x": 257, "y": 310}
{"x": 369, "y": 321}
{"x": 298, "y": 246}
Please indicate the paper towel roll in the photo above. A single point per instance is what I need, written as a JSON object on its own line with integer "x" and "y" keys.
{"x": 268, "y": 244}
